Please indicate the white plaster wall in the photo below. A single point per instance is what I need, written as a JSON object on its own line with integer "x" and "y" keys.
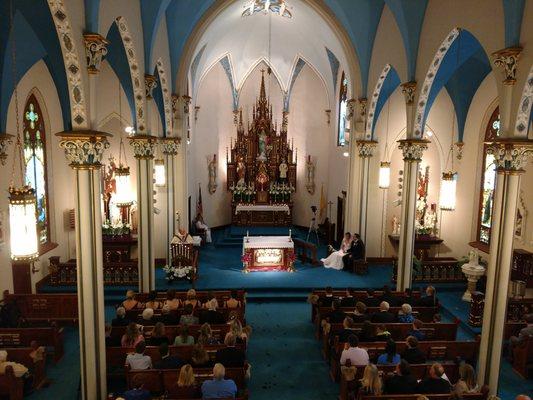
{"x": 59, "y": 173}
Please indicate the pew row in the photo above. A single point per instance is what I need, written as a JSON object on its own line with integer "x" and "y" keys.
{"x": 466, "y": 396}
{"x": 22, "y": 337}
{"x": 523, "y": 358}
{"x": 11, "y": 386}
{"x": 61, "y": 308}
{"x": 135, "y": 315}
{"x": 22, "y": 356}
{"x": 219, "y": 331}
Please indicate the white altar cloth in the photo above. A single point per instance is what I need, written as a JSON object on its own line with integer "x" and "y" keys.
{"x": 267, "y": 242}
{"x": 262, "y": 207}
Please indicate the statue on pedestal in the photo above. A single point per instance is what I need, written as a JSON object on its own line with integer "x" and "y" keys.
{"x": 283, "y": 168}
{"x": 310, "y": 167}
{"x": 212, "y": 169}
{"x": 241, "y": 171}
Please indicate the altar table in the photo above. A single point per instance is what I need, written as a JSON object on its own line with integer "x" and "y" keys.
{"x": 268, "y": 253}
{"x": 262, "y": 207}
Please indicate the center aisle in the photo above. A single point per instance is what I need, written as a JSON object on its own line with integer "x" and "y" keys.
{"x": 285, "y": 357}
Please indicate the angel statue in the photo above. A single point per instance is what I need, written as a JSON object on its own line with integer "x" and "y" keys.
{"x": 212, "y": 169}
{"x": 310, "y": 168}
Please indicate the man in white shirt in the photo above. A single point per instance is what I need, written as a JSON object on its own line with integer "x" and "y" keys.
{"x": 352, "y": 352}
{"x": 138, "y": 360}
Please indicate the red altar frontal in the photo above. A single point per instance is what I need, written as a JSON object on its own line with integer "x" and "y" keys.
{"x": 268, "y": 253}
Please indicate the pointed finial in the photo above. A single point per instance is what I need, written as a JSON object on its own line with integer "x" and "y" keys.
{"x": 262, "y": 95}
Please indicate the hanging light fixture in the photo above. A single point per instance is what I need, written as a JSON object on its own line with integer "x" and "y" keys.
{"x": 24, "y": 242}
{"x": 384, "y": 166}
{"x": 274, "y": 6}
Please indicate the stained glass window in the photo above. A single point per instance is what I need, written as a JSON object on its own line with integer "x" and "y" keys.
{"x": 488, "y": 181}
{"x": 35, "y": 164}
{"x": 343, "y": 110}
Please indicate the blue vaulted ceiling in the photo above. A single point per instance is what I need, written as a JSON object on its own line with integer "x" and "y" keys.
{"x": 151, "y": 13}
{"x": 513, "y": 11}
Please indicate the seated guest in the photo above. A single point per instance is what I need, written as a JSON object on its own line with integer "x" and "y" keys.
{"x": 437, "y": 318}
{"x": 336, "y": 316}
{"x": 371, "y": 300}
{"x": 368, "y": 332}
{"x": 138, "y": 392}
{"x": 139, "y": 360}
{"x": 347, "y": 330}
{"x": 435, "y": 383}
{"x": 430, "y": 299}
{"x": 383, "y": 316}
{"x": 152, "y": 301}
{"x": 390, "y": 356}
{"x": 412, "y": 354}
{"x": 211, "y": 298}
{"x": 192, "y": 300}
{"x": 38, "y": 352}
{"x": 232, "y": 302}
{"x": 206, "y": 335}
{"x": 230, "y": 355}
{"x": 467, "y": 380}
{"x": 402, "y": 381}
{"x": 354, "y": 353}
{"x": 241, "y": 334}
{"x": 371, "y": 383}
{"x": 360, "y": 314}
{"x": 186, "y": 385}
{"x": 184, "y": 339}
{"x": 408, "y": 296}
{"x": 389, "y": 297}
{"x": 110, "y": 341}
{"x": 200, "y": 357}
{"x": 147, "y": 317}
{"x": 132, "y": 336}
{"x": 167, "y": 317}
{"x": 130, "y": 303}
{"x": 167, "y": 361}
{"x": 171, "y": 301}
{"x": 188, "y": 318}
{"x": 327, "y": 300}
{"x": 219, "y": 388}
{"x": 121, "y": 319}
{"x": 158, "y": 335}
{"x": 416, "y": 331}
{"x": 19, "y": 370}
{"x": 348, "y": 300}
{"x": 524, "y": 334}
{"x": 382, "y": 334}
{"x": 203, "y": 227}
{"x": 355, "y": 252}
{"x": 406, "y": 314}
{"x": 212, "y": 315}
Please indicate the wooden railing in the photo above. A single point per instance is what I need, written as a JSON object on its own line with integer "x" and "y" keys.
{"x": 305, "y": 251}
{"x": 442, "y": 269}
{"x": 518, "y": 308}
{"x": 522, "y": 267}
{"x": 115, "y": 273}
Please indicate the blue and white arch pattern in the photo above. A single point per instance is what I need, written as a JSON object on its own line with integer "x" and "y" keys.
{"x": 167, "y": 106}
{"x": 137, "y": 82}
{"x": 430, "y": 77}
{"x": 72, "y": 64}
{"x": 374, "y": 101}
{"x": 523, "y": 116}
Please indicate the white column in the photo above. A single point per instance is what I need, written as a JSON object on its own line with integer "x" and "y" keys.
{"x": 170, "y": 147}
{"x": 365, "y": 153}
{"x": 84, "y": 150}
{"x": 143, "y": 150}
{"x": 182, "y": 115}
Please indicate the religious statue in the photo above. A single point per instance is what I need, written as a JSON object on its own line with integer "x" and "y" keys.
{"x": 473, "y": 257}
{"x": 262, "y": 146}
{"x": 395, "y": 225}
{"x": 430, "y": 219}
{"x": 283, "y": 168}
{"x": 241, "y": 171}
{"x": 310, "y": 168}
{"x": 212, "y": 169}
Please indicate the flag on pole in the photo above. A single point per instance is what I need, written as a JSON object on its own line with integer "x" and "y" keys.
{"x": 199, "y": 205}
{"x": 323, "y": 205}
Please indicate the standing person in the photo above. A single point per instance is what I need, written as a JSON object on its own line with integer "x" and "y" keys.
{"x": 335, "y": 259}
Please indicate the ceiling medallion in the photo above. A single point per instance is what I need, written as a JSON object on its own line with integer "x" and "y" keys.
{"x": 274, "y": 6}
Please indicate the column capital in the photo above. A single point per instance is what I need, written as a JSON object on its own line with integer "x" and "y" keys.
{"x": 363, "y": 101}
{"x": 150, "y": 83}
{"x": 350, "y": 105}
{"x": 170, "y": 145}
{"x": 5, "y": 140}
{"x": 84, "y": 149}
{"x": 174, "y": 99}
{"x": 408, "y": 90}
{"x": 366, "y": 147}
{"x": 413, "y": 149}
{"x": 510, "y": 156}
{"x": 143, "y": 146}
{"x": 507, "y": 59}
{"x": 186, "y": 101}
{"x": 95, "y": 51}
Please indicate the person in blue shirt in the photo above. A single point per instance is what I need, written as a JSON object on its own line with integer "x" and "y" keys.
{"x": 390, "y": 357}
{"x": 416, "y": 331}
{"x": 406, "y": 314}
{"x": 219, "y": 388}
{"x": 138, "y": 392}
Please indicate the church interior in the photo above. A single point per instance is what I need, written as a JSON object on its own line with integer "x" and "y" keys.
{"x": 258, "y": 199}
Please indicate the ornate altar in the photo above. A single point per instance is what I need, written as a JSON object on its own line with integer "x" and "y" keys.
{"x": 269, "y": 253}
{"x": 261, "y": 169}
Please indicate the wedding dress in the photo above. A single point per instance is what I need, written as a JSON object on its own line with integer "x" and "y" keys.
{"x": 334, "y": 260}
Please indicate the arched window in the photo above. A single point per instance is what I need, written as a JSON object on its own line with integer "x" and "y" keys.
{"x": 488, "y": 181}
{"x": 35, "y": 164}
{"x": 343, "y": 110}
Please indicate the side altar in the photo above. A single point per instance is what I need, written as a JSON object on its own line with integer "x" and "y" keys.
{"x": 268, "y": 253}
{"x": 261, "y": 169}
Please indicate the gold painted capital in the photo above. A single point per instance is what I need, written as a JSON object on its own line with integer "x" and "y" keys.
{"x": 366, "y": 148}
{"x": 150, "y": 83}
{"x": 84, "y": 149}
{"x": 507, "y": 60}
{"x": 95, "y": 51}
{"x": 413, "y": 149}
{"x": 510, "y": 155}
{"x": 143, "y": 146}
{"x": 408, "y": 90}
{"x": 362, "y": 106}
{"x": 170, "y": 145}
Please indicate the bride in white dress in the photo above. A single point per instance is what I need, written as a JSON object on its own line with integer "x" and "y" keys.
{"x": 334, "y": 260}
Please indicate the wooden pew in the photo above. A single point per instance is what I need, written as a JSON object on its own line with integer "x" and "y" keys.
{"x": 219, "y": 331}
{"x": 523, "y": 358}
{"x": 11, "y": 386}
{"x": 419, "y": 371}
{"x": 22, "y": 337}
{"x": 46, "y": 308}
{"x": 136, "y": 314}
{"x": 116, "y": 356}
{"x": 21, "y": 355}
{"x": 466, "y": 396}
{"x": 202, "y": 295}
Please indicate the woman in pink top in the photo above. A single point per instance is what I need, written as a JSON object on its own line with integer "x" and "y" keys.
{"x": 132, "y": 336}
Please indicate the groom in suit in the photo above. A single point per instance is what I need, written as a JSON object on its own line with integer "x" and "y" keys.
{"x": 355, "y": 252}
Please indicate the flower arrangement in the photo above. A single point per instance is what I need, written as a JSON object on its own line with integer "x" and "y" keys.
{"x": 117, "y": 228}
{"x": 174, "y": 273}
{"x": 246, "y": 259}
